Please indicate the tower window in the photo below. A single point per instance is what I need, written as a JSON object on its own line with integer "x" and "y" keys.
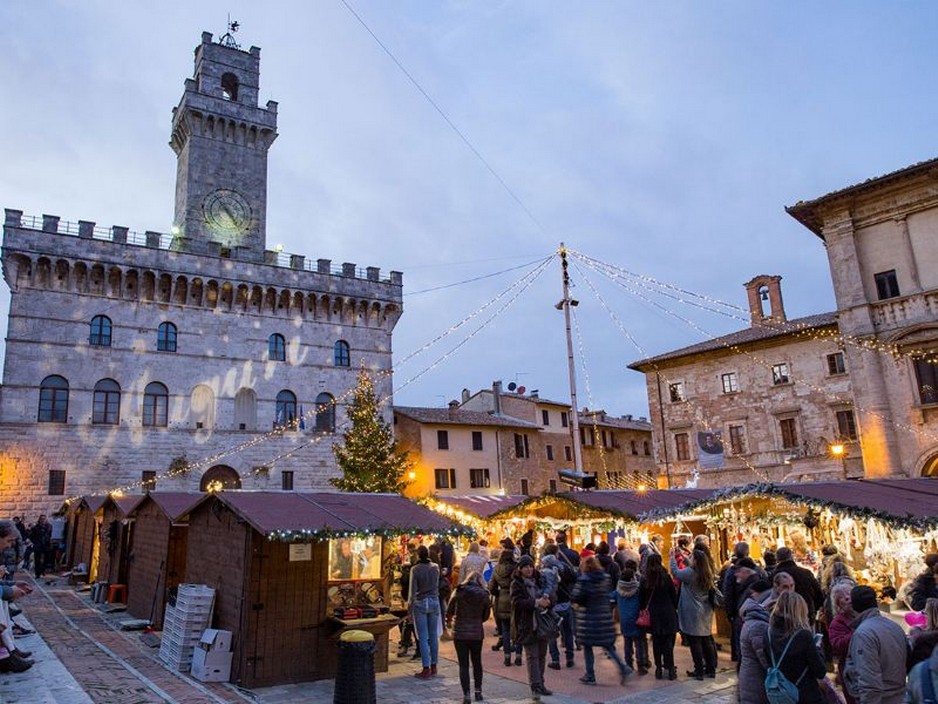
{"x": 341, "y": 354}
{"x": 166, "y": 337}
{"x": 276, "y": 348}
{"x": 229, "y": 87}
{"x": 100, "y": 331}
{"x": 887, "y": 284}
{"x": 53, "y": 400}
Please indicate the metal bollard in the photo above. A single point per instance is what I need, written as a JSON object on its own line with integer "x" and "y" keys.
{"x": 355, "y": 674}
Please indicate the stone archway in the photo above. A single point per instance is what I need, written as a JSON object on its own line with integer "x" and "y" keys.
{"x": 222, "y": 473}
{"x": 930, "y": 468}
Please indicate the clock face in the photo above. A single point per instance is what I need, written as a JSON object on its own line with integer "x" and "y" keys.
{"x": 227, "y": 211}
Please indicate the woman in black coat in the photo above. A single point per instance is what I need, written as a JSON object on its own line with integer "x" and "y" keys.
{"x": 802, "y": 663}
{"x": 529, "y": 592}
{"x": 594, "y": 623}
{"x": 471, "y": 606}
{"x": 658, "y": 595}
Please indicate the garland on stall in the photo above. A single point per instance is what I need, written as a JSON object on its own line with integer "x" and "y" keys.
{"x": 580, "y": 511}
{"x": 768, "y": 491}
{"x": 301, "y": 535}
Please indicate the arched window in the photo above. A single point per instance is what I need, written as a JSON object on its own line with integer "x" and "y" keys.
{"x": 53, "y": 400}
{"x": 107, "y": 403}
{"x": 342, "y": 357}
{"x": 325, "y": 413}
{"x": 276, "y": 348}
{"x": 155, "y": 404}
{"x": 100, "y": 331}
{"x": 245, "y": 410}
{"x": 286, "y": 409}
{"x": 229, "y": 87}
{"x": 202, "y": 407}
{"x": 166, "y": 337}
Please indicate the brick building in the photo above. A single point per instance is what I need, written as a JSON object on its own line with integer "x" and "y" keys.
{"x": 200, "y": 350}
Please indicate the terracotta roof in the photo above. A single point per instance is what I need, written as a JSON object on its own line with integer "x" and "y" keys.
{"x": 613, "y": 422}
{"x": 757, "y": 333}
{"x": 806, "y": 212}
{"x": 483, "y": 506}
{"x": 459, "y": 416}
{"x": 175, "y": 504}
{"x": 297, "y": 515}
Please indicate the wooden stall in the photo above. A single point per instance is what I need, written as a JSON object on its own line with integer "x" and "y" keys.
{"x": 115, "y": 539}
{"x": 158, "y": 561}
{"x": 82, "y": 534}
{"x": 292, "y": 570}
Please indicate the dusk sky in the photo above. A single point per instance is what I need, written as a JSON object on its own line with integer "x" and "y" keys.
{"x": 663, "y": 139}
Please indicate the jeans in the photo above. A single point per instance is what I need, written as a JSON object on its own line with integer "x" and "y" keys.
{"x": 589, "y": 660}
{"x": 466, "y": 649}
{"x": 506, "y": 638}
{"x": 566, "y": 635}
{"x": 426, "y": 617}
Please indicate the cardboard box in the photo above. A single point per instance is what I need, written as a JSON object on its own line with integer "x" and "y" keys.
{"x": 211, "y": 666}
{"x": 214, "y": 640}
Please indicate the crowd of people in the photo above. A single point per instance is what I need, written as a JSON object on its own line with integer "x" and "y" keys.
{"x": 790, "y": 624}
{"x": 12, "y": 658}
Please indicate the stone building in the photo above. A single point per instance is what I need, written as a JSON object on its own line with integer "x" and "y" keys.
{"x": 764, "y": 403}
{"x": 192, "y": 357}
{"x": 881, "y": 238}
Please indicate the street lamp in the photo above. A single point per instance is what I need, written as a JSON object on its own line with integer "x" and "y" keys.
{"x": 838, "y": 450}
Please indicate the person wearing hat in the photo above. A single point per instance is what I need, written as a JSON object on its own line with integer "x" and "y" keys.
{"x": 876, "y": 658}
{"x": 529, "y": 592}
{"x": 500, "y": 589}
{"x": 925, "y": 586}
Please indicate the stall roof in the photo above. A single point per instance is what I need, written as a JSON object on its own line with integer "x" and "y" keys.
{"x": 175, "y": 504}
{"x": 633, "y": 504}
{"x": 905, "y": 503}
{"x": 125, "y": 504}
{"x": 483, "y": 506}
{"x": 297, "y": 516}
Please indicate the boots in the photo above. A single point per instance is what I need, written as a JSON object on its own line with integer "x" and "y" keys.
{"x": 672, "y": 673}
{"x": 433, "y": 670}
{"x": 15, "y": 664}
{"x": 424, "y": 674}
{"x": 659, "y": 673}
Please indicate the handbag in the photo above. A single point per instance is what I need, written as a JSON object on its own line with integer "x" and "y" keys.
{"x": 643, "y": 620}
{"x": 546, "y": 623}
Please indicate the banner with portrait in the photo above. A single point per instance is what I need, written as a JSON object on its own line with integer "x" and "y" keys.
{"x": 710, "y": 449}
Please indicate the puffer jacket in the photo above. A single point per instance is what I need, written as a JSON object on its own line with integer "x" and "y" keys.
{"x": 500, "y": 587}
{"x": 875, "y": 669}
{"x": 594, "y": 623}
{"x": 694, "y": 613}
{"x": 753, "y": 663}
{"x": 550, "y": 571}
{"x": 472, "y": 608}
{"x": 627, "y": 601}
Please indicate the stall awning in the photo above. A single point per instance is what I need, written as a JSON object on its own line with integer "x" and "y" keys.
{"x": 483, "y": 506}
{"x": 633, "y": 504}
{"x": 903, "y": 503}
{"x": 299, "y": 516}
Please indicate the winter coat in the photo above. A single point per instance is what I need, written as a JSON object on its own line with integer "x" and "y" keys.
{"x": 914, "y": 693}
{"x": 627, "y": 600}
{"x": 500, "y": 586}
{"x": 753, "y": 662}
{"x": 550, "y": 571}
{"x": 806, "y": 585}
{"x": 839, "y": 633}
{"x": 472, "y": 607}
{"x": 734, "y": 593}
{"x": 694, "y": 613}
{"x": 875, "y": 669}
{"x": 472, "y": 562}
{"x": 594, "y": 622}
{"x": 644, "y": 550}
{"x": 661, "y": 601}
{"x": 923, "y": 588}
{"x": 803, "y": 662}
{"x": 611, "y": 568}
{"x": 40, "y": 535}
{"x": 923, "y": 643}
{"x": 567, "y": 572}
{"x": 523, "y": 596}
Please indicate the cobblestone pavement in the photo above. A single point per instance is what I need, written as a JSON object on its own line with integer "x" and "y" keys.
{"x": 83, "y": 658}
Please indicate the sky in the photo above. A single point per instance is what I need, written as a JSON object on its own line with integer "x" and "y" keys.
{"x": 659, "y": 139}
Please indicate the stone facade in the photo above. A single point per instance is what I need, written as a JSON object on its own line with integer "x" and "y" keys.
{"x": 264, "y": 349}
{"x": 776, "y": 395}
{"x": 881, "y": 239}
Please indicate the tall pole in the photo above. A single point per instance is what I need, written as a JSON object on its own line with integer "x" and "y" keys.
{"x": 565, "y": 304}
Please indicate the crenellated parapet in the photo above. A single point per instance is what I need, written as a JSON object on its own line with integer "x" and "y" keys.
{"x": 51, "y": 254}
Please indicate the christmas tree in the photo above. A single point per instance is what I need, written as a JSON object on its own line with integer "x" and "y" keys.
{"x": 369, "y": 458}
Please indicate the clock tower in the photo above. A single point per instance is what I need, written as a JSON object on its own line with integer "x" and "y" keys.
{"x": 221, "y": 137}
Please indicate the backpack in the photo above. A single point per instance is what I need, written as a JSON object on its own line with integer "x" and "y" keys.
{"x": 928, "y": 687}
{"x": 778, "y": 688}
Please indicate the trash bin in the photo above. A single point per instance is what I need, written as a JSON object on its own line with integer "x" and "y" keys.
{"x": 355, "y": 674}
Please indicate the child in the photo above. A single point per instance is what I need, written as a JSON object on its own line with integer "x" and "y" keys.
{"x": 628, "y": 603}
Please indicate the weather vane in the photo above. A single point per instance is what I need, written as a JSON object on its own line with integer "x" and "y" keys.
{"x": 227, "y": 39}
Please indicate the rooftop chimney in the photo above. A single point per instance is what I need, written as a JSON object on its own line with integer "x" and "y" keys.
{"x": 496, "y": 397}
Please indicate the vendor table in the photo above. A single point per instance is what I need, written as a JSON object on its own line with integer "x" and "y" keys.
{"x": 378, "y": 627}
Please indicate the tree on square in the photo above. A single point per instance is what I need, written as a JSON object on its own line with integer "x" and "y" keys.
{"x": 369, "y": 458}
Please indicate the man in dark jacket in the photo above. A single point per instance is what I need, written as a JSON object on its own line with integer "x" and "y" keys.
{"x": 806, "y": 583}
{"x": 925, "y": 586}
{"x": 40, "y": 535}
{"x": 739, "y": 577}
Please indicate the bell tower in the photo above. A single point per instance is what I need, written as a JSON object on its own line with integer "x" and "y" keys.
{"x": 221, "y": 136}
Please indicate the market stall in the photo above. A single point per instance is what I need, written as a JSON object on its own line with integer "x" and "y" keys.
{"x": 115, "y": 539}
{"x": 159, "y": 560}
{"x": 82, "y": 531}
{"x": 293, "y": 570}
